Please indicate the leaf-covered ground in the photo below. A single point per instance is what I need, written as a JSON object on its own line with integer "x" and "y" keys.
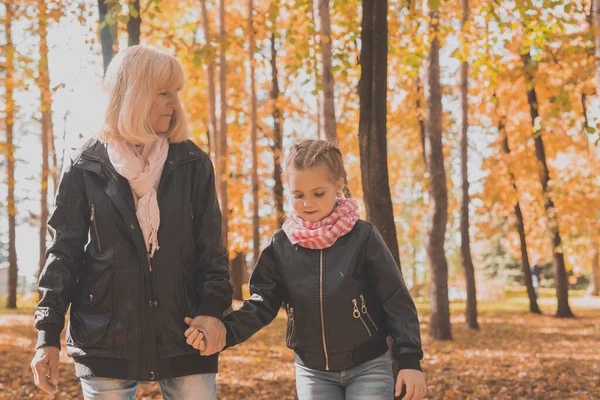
{"x": 514, "y": 356}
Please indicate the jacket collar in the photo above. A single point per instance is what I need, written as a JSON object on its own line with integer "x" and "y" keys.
{"x": 94, "y": 157}
{"x": 95, "y": 150}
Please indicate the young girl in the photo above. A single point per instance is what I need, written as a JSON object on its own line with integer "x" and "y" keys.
{"x": 341, "y": 287}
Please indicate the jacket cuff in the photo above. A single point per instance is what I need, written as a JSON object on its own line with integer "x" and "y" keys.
{"x": 409, "y": 362}
{"x": 229, "y": 340}
{"x": 48, "y": 335}
{"x": 213, "y": 307}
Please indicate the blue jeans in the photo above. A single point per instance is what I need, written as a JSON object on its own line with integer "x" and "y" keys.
{"x": 196, "y": 387}
{"x": 371, "y": 380}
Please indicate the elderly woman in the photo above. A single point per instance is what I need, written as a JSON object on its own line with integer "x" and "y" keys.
{"x": 137, "y": 247}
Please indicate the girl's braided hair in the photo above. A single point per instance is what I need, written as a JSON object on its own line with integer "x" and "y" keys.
{"x": 309, "y": 153}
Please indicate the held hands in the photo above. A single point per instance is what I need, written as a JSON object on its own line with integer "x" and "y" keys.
{"x": 415, "y": 384}
{"x": 45, "y": 368}
{"x": 206, "y": 334}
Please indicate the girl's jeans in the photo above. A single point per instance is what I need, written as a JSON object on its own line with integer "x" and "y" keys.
{"x": 371, "y": 380}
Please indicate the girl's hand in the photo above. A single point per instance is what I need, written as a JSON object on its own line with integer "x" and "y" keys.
{"x": 415, "y": 384}
{"x": 195, "y": 338}
{"x": 210, "y": 337}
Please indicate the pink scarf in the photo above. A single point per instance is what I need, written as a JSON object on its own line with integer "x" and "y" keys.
{"x": 143, "y": 171}
{"x": 324, "y": 233}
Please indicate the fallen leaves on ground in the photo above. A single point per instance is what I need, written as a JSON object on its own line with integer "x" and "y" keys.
{"x": 514, "y": 356}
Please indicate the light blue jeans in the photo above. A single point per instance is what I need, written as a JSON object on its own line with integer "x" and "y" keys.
{"x": 196, "y": 387}
{"x": 371, "y": 380}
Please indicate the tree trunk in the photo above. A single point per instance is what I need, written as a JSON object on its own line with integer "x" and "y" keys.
{"x": 223, "y": 172}
{"x": 594, "y": 288}
{"x": 315, "y": 71}
{"x": 46, "y": 110}
{"x": 415, "y": 275}
{"x": 9, "y": 151}
{"x": 54, "y": 169}
{"x": 253, "y": 136}
{"x": 319, "y": 118}
{"x": 465, "y": 243}
{"x": 372, "y": 132}
{"x": 595, "y": 284}
{"x": 596, "y": 23}
{"x": 210, "y": 85}
{"x": 277, "y": 135}
{"x": 520, "y": 225}
{"x": 64, "y": 141}
{"x": 326, "y": 94}
{"x": 438, "y": 196}
{"x": 421, "y": 121}
{"x": 108, "y": 32}
{"x": 238, "y": 266}
{"x": 560, "y": 274}
{"x": 410, "y": 5}
{"x": 134, "y": 23}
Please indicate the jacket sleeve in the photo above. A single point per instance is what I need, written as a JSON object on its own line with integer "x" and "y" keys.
{"x": 399, "y": 309}
{"x": 266, "y": 289}
{"x": 70, "y": 223}
{"x": 212, "y": 273}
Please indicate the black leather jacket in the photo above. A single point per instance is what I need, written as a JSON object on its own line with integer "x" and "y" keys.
{"x": 341, "y": 302}
{"x": 127, "y": 311}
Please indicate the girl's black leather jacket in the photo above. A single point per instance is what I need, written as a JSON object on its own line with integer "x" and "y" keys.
{"x": 342, "y": 302}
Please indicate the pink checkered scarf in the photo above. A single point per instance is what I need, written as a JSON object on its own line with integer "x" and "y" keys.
{"x": 324, "y": 233}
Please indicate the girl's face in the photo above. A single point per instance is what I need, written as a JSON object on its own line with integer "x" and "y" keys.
{"x": 314, "y": 192}
{"x": 162, "y": 110}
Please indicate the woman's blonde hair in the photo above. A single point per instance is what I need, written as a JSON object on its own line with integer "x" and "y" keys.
{"x": 309, "y": 153}
{"x": 132, "y": 81}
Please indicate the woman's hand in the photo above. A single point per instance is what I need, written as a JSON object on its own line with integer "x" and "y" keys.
{"x": 415, "y": 384}
{"x": 206, "y": 334}
{"x": 45, "y": 368}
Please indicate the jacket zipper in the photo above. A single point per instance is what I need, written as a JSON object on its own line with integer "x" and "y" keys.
{"x": 365, "y": 311}
{"x": 292, "y": 324}
{"x": 356, "y": 314}
{"x": 149, "y": 258}
{"x": 93, "y": 221}
{"x": 322, "y": 314}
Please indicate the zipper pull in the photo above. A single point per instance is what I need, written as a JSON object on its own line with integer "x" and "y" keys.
{"x": 149, "y": 257}
{"x": 93, "y": 216}
{"x": 355, "y": 312}
{"x": 365, "y": 311}
{"x": 364, "y": 305}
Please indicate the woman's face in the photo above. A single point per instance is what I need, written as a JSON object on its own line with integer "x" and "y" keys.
{"x": 162, "y": 110}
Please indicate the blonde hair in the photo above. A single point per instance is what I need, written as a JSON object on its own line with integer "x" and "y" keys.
{"x": 132, "y": 80}
{"x": 310, "y": 153}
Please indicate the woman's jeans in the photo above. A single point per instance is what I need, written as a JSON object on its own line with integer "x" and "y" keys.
{"x": 371, "y": 380}
{"x": 196, "y": 387}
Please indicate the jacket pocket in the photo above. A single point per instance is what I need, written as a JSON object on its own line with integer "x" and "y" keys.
{"x": 356, "y": 313}
{"x": 365, "y": 312}
{"x": 92, "y": 313}
{"x": 291, "y": 327}
{"x": 93, "y": 219}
